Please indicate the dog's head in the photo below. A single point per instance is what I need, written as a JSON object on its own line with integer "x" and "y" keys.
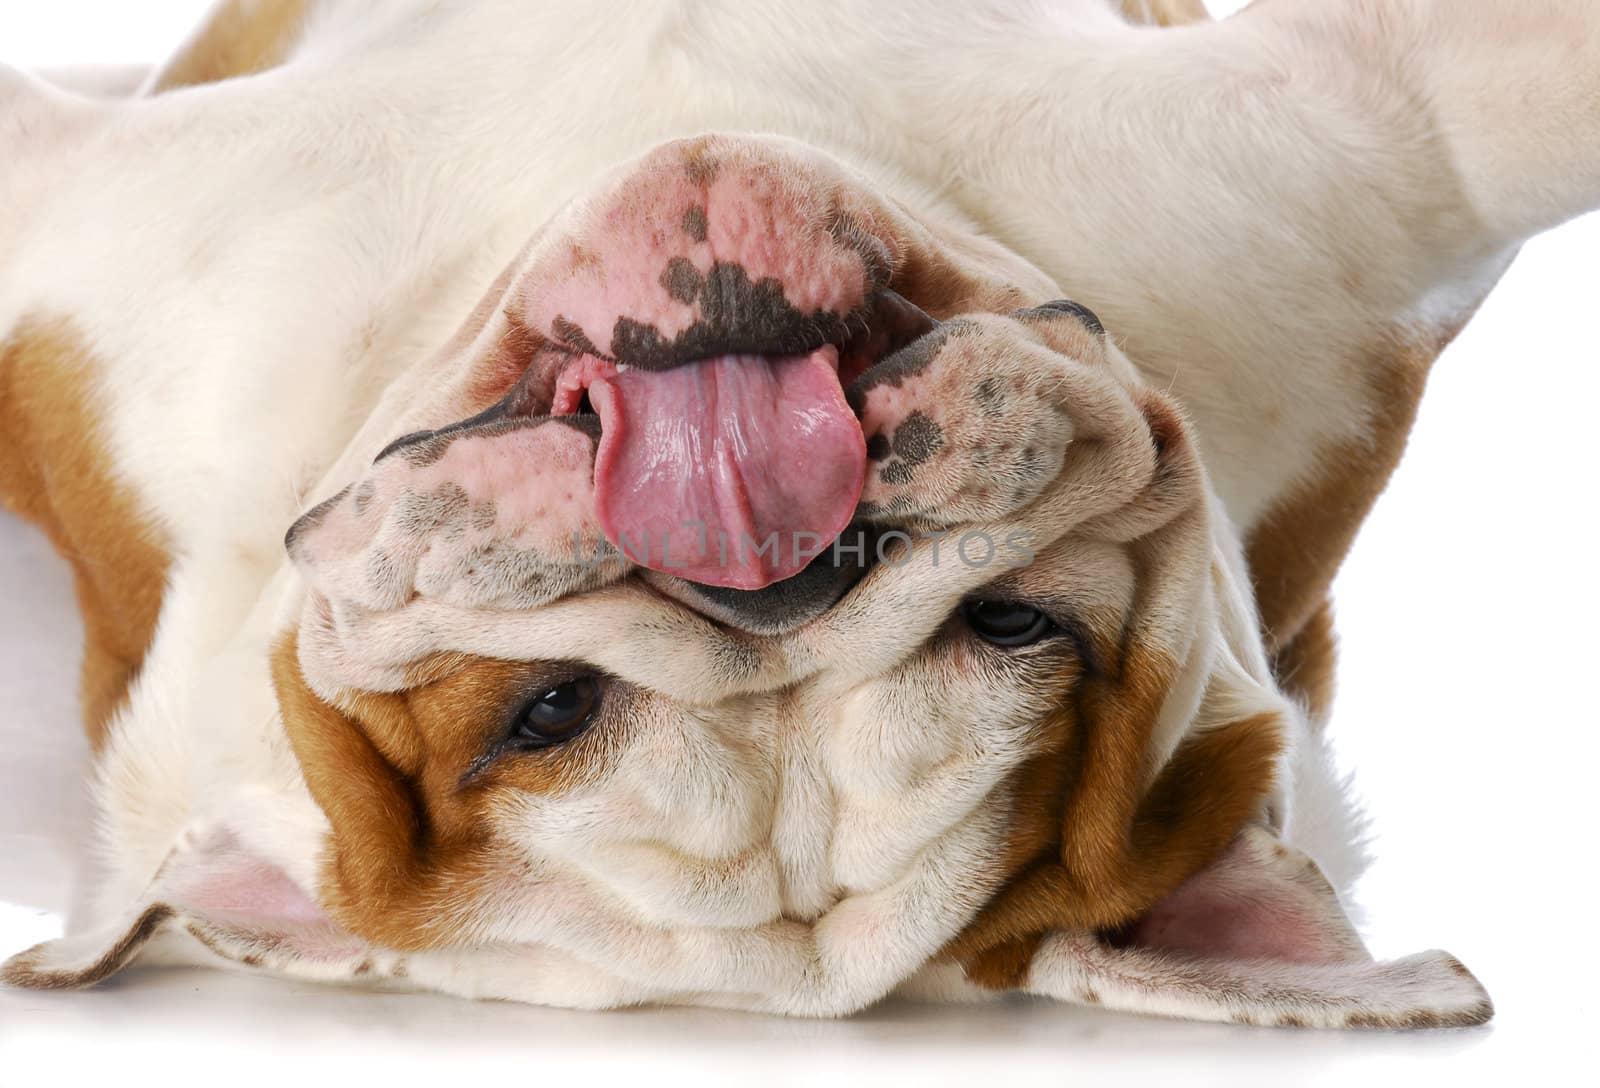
{"x": 776, "y": 598}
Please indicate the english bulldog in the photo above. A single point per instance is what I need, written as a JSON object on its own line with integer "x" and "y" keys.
{"x": 760, "y": 505}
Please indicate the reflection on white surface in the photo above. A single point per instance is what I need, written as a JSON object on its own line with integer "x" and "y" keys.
{"x": 229, "y": 1018}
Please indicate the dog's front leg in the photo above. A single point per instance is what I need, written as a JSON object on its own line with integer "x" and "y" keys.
{"x": 1284, "y": 217}
{"x": 1512, "y": 90}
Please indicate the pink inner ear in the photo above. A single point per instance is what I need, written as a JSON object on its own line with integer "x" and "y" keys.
{"x": 246, "y": 903}
{"x": 1259, "y": 901}
{"x": 248, "y": 890}
{"x": 229, "y": 885}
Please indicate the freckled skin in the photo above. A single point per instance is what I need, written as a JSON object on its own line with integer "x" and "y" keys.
{"x": 767, "y": 260}
{"x": 694, "y": 223}
{"x": 460, "y": 511}
{"x": 733, "y": 315}
{"x": 494, "y": 515}
{"x": 943, "y": 448}
{"x": 917, "y": 439}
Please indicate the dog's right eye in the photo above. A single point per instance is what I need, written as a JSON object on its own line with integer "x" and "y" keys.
{"x": 560, "y": 714}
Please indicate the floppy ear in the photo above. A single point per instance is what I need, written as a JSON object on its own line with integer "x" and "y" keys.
{"x": 1257, "y": 937}
{"x": 232, "y": 901}
{"x": 1144, "y": 875}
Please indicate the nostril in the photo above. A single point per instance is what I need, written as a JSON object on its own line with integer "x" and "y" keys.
{"x": 892, "y": 322}
{"x": 905, "y": 320}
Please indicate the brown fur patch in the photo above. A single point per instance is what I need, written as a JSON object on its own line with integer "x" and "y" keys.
{"x": 1003, "y": 966}
{"x": 404, "y": 783}
{"x": 1305, "y": 666}
{"x": 700, "y": 162}
{"x": 238, "y": 38}
{"x": 1165, "y": 12}
{"x": 1094, "y": 843}
{"x": 1296, "y": 548}
{"x": 55, "y": 472}
{"x": 945, "y": 277}
{"x": 1115, "y": 854}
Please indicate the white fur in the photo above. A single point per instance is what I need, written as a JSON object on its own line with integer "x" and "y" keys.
{"x": 1247, "y": 205}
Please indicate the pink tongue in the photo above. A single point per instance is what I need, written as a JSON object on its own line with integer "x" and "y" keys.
{"x": 731, "y": 472}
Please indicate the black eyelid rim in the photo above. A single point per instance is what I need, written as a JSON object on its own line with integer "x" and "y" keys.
{"x": 1065, "y": 624}
{"x": 1049, "y": 618}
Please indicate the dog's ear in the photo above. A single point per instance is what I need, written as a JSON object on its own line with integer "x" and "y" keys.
{"x": 1257, "y": 937}
{"x": 233, "y": 901}
{"x": 1145, "y": 871}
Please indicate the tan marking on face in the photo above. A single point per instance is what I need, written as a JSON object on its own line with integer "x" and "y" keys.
{"x": 1003, "y": 966}
{"x": 238, "y": 38}
{"x": 1166, "y": 12}
{"x": 700, "y": 161}
{"x": 506, "y": 357}
{"x": 946, "y": 274}
{"x": 1115, "y": 852}
{"x": 55, "y": 472}
{"x": 409, "y": 795}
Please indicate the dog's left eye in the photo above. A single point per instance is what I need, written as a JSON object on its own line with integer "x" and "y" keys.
{"x": 559, "y": 714}
{"x": 1007, "y": 623}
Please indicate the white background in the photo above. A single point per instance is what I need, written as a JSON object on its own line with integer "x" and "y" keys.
{"x": 1467, "y": 614}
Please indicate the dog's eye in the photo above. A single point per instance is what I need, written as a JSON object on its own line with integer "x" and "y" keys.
{"x": 1007, "y": 623}
{"x": 560, "y": 714}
